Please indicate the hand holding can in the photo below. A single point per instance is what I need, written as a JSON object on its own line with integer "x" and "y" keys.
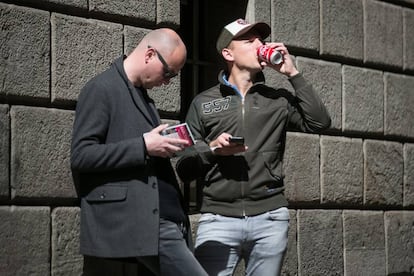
{"x": 269, "y": 55}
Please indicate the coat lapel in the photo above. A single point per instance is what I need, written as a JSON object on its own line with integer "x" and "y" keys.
{"x": 137, "y": 95}
{"x": 153, "y": 110}
{"x": 144, "y": 104}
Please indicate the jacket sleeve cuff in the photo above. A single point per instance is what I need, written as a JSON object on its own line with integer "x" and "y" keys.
{"x": 206, "y": 154}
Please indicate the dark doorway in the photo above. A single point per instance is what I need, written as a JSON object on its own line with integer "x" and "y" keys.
{"x": 201, "y": 23}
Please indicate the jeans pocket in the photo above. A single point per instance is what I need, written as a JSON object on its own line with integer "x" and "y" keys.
{"x": 207, "y": 217}
{"x": 279, "y": 214}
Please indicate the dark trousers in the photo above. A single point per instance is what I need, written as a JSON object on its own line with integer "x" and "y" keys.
{"x": 174, "y": 258}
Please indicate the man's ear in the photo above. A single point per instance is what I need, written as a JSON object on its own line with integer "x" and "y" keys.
{"x": 149, "y": 54}
{"x": 227, "y": 54}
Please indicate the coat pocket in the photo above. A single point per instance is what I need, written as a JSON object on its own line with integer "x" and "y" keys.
{"x": 107, "y": 194}
{"x": 273, "y": 164}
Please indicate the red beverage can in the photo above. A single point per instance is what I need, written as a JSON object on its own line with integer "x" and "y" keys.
{"x": 269, "y": 55}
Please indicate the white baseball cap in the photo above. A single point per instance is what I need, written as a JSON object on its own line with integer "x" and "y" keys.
{"x": 238, "y": 28}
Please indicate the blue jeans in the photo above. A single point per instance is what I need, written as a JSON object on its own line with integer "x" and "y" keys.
{"x": 260, "y": 240}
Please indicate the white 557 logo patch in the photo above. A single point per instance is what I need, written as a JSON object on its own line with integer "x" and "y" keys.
{"x": 216, "y": 106}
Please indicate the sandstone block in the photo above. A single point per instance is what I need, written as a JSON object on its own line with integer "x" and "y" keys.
{"x": 302, "y": 171}
{"x": 139, "y": 10}
{"x": 81, "y": 48}
{"x": 24, "y": 60}
{"x": 326, "y": 79}
{"x": 168, "y": 12}
{"x": 342, "y": 28}
{"x": 296, "y": 23}
{"x": 66, "y": 259}
{"x": 259, "y": 11}
{"x": 364, "y": 242}
{"x": 383, "y": 35}
{"x": 342, "y": 171}
{"x": 25, "y": 240}
{"x": 290, "y": 262}
{"x": 383, "y": 167}
{"x": 400, "y": 243}
{"x": 399, "y": 105}
{"x": 408, "y": 35}
{"x": 320, "y": 242}
{"x": 363, "y": 100}
{"x": 40, "y": 152}
{"x": 408, "y": 175}
{"x": 4, "y": 150}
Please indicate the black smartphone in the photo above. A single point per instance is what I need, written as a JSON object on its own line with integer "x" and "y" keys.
{"x": 237, "y": 140}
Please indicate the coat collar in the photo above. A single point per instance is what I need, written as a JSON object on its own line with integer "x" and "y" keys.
{"x": 138, "y": 94}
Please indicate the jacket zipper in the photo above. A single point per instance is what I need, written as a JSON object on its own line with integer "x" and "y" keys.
{"x": 242, "y": 184}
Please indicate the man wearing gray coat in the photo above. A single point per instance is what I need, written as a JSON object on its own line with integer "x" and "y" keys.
{"x": 131, "y": 205}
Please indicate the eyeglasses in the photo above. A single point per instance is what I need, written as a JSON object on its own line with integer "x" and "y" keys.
{"x": 168, "y": 73}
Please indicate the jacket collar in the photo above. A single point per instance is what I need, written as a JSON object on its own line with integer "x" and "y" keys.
{"x": 228, "y": 88}
{"x": 138, "y": 94}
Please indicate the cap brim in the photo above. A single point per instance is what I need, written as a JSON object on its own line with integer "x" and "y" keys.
{"x": 226, "y": 37}
{"x": 262, "y": 28}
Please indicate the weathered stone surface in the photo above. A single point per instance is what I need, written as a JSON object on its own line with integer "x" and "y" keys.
{"x": 66, "y": 259}
{"x": 296, "y": 23}
{"x": 383, "y": 36}
{"x": 24, "y": 48}
{"x": 342, "y": 28}
{"x": 194, "y": 224}
{"x": 25, "y": 240}
{"x": 66, "y": 4}
{"x": 408, "y": 175}
{"x": 408, "y": 17}
{"x": 81, "y": 48}
{"x": 363, "y": 100}
{"x": 383, "y": 168}
{"x": 364, "y": 249}
{"x": 141, "y": 10}
{"x": 326, "y": 79}
{"x": 168, "y": 12}
{"x": 302, "y": 171}
{"x": 399, "y": 105}
{"x": 290, "y": 263}
{"x": 342, "y": 170}
{"x": 320, "y": 242}
{"x": 40, "y": 152}
{"x": 133, "y": 36}
{"x": 4, "y": 150}
{"x": 167, "y": 98}
{"x": 259, "y": 11}
{"x": 399, "y": 230}
{"x": 402, "y": 1}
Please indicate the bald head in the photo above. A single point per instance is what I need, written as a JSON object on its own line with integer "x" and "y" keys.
{"x": 165, "y": 40}
{"x": 159, "y": 47}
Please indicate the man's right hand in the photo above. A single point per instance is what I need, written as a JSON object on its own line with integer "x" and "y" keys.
{"x": 162, "y": 146}
{"x": 222, "y": 146}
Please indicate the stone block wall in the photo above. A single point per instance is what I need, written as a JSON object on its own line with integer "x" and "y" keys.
{"x": 351, "y": 189}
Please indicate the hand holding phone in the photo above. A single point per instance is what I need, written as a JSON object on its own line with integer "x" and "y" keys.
{"x": 237, "y": 140}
